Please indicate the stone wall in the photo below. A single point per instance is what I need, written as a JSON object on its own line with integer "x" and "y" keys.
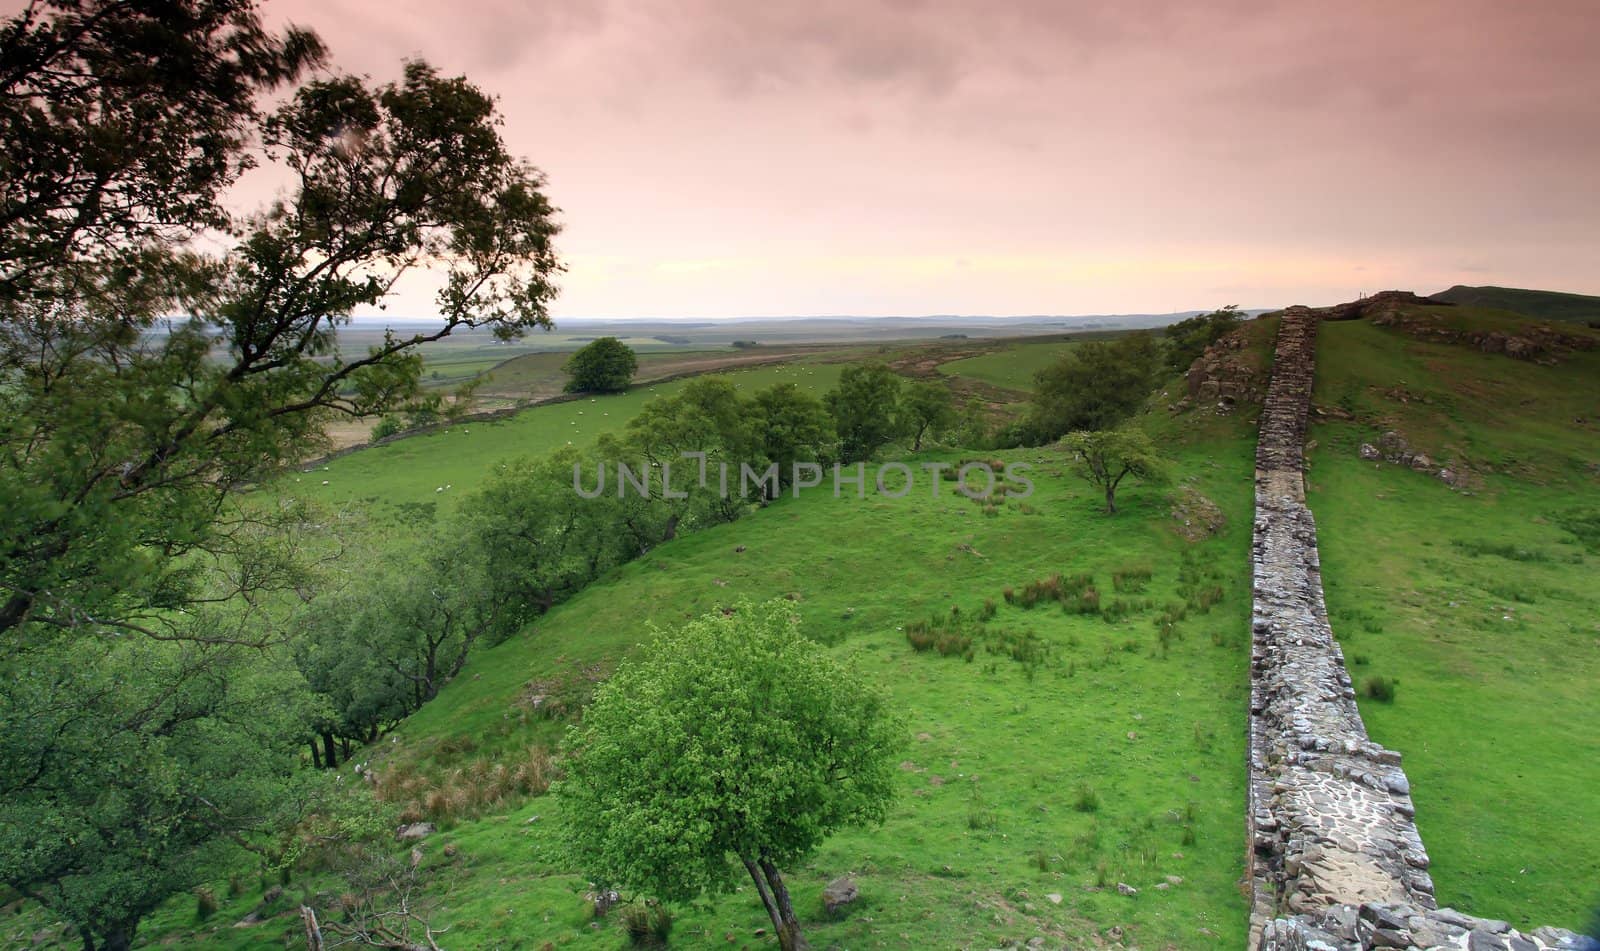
{"x": 1335, "y": 861}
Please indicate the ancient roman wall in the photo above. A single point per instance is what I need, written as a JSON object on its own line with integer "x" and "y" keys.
{"x": 1336, "y": 863}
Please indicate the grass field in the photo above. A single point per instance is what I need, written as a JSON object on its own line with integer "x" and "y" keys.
{"x": 1012, "y": 367}
{"x": 1484, "y": 605}
{"x": 395, "y": 477}
{"x": 1029, "y": 787}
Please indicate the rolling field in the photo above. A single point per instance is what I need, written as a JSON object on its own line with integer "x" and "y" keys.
{"x": 1029, "y": 787}
{"x": 411, "y": 471}
{"x": 1483, "y": 605}
{"x": 1010, "y": 368}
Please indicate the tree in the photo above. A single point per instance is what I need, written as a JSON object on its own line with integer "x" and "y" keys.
{"x": 794, "y": 427}
{"x": 707, "y": 416}
{"x": 1096, "y": 385}
{"x": 121, "y": 124}
{"x": 1188, "y": 339}
{"x": 928, "y": 410}
{"x": 126, "y": 432}
{"x": 605, "y": 366}
{"x": 732, "y": 737}
{"x": 865, "y": 407}
{"x": 1105, "y": 457}
{"x": 132, "y": 770}
{"x": 399, "y": 629}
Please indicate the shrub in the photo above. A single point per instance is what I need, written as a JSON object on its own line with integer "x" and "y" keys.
{"x": 1380, "y": 688}
{"x": 1085, "y": 602}
{"x": 205, "y": 903}
{"x": 386, "y": 426}
{"x": 647, "y": 926}
{"x": 1131, "y": 580}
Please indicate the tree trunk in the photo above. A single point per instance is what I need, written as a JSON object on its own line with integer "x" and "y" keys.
{"x": 672, "y": 528}
{"x": 118, "y": 938}
{"x": 789, "y": 937}
{"x": 330, "y": 756}
{"x": 1111, "y": 500}
{"x": 761, "y": 888}
{"x": 316, "y": 755}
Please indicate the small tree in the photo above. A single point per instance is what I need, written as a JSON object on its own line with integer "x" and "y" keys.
{"x": 735, "y": 736}
{"x": 605, "y": 366}
{"x": 1097, "y": 385}
{"x": 865, "y": 408}
{"x": 1106, "y": 457}
{"x": 926, "y": 410}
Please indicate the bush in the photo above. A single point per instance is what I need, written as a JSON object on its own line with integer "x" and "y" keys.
{"x": 387, "y": 426}
{"x": 647, "y": 926}
{"x": 1379, "y": 688}
{"x": 205, "y": 903}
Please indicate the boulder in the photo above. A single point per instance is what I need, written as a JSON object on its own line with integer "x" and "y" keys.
{"x": 414, "y": 832}
{"x": 840, "y": 893}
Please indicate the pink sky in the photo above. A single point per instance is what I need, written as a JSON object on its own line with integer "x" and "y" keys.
{"x": 718, "y": 157}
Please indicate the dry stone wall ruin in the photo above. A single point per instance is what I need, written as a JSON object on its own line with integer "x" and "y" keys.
{"x": 1335, "y": 860}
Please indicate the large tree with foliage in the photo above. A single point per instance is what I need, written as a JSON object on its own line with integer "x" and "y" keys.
{"x": 149, "y": 743}
{"x": 866, "y": 410}
{"x": 719, "y": 427}
{"x": 733, "y": 744}
{"x": 124, "y": 430}
{"x": 606, "y": 365}
{"x": 1096, "y": 385}
{"x": 1105, "y": 457}
{"x": 132, "y": 770}
{"x": 794, "y": 427}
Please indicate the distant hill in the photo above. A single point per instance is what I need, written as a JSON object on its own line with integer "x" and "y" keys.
{"x": 1546, "y": 305}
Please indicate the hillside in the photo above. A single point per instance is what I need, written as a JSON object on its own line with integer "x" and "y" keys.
{"x": 1542, "y": 305}
{"x": 1080, "y": 747}
{"x": 1477, "y": 596}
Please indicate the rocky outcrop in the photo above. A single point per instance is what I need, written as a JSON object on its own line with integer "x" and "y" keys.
{"x": 1228, "y": 372}
{"x": 1336, "y": 863}
{"x": 1538, "y": 343}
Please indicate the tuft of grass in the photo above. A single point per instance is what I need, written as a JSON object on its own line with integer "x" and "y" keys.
{"x": 1131, "y": 580}
{"x": 647, "y": 926}
{"x": 1086, "y": 799}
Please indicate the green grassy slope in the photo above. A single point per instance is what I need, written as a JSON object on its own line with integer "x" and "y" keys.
{"x": 1544, "y": 305}
{"x": 1483, "y": 605}
{"x": 407, "y": 472}
{"x": 989, "y": 824}
{"x": 1012, "y": 367}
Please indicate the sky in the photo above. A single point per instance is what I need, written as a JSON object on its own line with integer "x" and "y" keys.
{"x": 749, "y": 157}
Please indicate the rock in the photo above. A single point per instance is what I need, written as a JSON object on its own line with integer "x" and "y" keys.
{"x": 1481, "y": 940}
{"x": 1389, "y": 938}
{"x": 1450, "y": 916}
{"x": 247, "y": 920}
{"x": 1127, "y": 889}
{"x": 1174, "y": 879}
{"x": 1035, "y": 943}
{"x": 272, "y": 894}
{"x": 1370, "y": 452}
{"x": 603, "y": 902}
{"x": 415, "y": 831}
{"x": 840, "y": 892}
{"x": 1053, "y": 898}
